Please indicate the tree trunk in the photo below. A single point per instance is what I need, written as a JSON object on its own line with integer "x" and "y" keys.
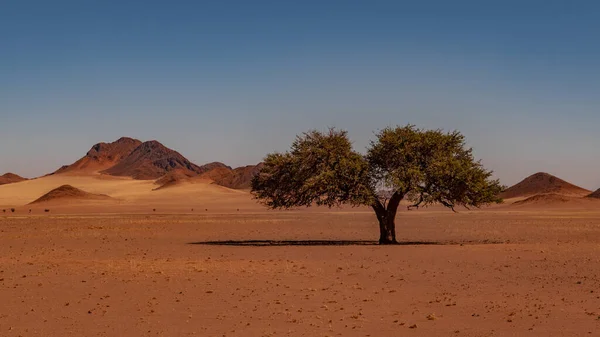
{"x": 387, "y": 219}
{"x": 387, "y": 230}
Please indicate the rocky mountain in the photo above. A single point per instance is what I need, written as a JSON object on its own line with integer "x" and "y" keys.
{"x": 152, "y": 160}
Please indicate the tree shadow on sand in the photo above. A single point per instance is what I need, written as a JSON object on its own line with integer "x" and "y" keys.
{"x": 271, "y": 243}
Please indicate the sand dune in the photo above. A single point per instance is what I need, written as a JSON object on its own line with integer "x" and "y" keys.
{"x": 27, "y": 191}
{"x": 551, "y": 201}
{"x": 68, "y": 193}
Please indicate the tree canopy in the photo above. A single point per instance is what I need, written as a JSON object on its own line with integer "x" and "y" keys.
{"x": 402, "y": 163}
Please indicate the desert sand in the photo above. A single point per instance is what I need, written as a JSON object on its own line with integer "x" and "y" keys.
{"x": 183, "y": 261}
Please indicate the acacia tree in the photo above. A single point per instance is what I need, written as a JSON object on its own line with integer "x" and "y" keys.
{"x": 421, "y": 166}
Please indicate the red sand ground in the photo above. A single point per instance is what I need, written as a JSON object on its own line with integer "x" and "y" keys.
{"x": 513, "y": 273}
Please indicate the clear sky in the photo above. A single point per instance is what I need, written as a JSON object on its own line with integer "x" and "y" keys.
{"x": 232, "y": 80}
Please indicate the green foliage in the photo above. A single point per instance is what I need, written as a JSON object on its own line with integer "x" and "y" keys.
{"x": 320, "y": 169}
{"x": 431, "y": 166}
{"x": 425, "y": 166}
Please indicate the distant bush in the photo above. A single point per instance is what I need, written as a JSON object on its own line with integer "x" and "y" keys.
{"x": 12, "y": 210}
{"x": 47, "y": 210}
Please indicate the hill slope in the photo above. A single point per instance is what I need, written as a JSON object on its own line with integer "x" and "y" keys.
{"x": 217, "y": 173}
{"x": 179, "y": 176}
{"x": 595, "y": 194}
{"x": 543, "y": 183}
{"x": 240, "y": 177}
{"x": 9, "y": 178}
{"x": 102, "y": 156}
{"x": 68, "y": 192}
{"x": 174, "y": 177}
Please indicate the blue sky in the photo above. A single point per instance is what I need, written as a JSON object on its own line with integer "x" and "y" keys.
{"x": 232, "y": 80}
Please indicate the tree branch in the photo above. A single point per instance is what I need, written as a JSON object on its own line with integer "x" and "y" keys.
{"x": 378, "y": 206}
{"x": 379, "y": 209}
{"x": 392, "y": 207}
{"x": 449, "y": 205}
{"x": 416, "y": 205}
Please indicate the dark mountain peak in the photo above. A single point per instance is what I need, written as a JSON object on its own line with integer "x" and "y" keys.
{"x": 127, "y": 140}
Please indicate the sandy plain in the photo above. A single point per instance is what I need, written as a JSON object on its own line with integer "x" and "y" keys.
{"x": 122, "y": 269}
